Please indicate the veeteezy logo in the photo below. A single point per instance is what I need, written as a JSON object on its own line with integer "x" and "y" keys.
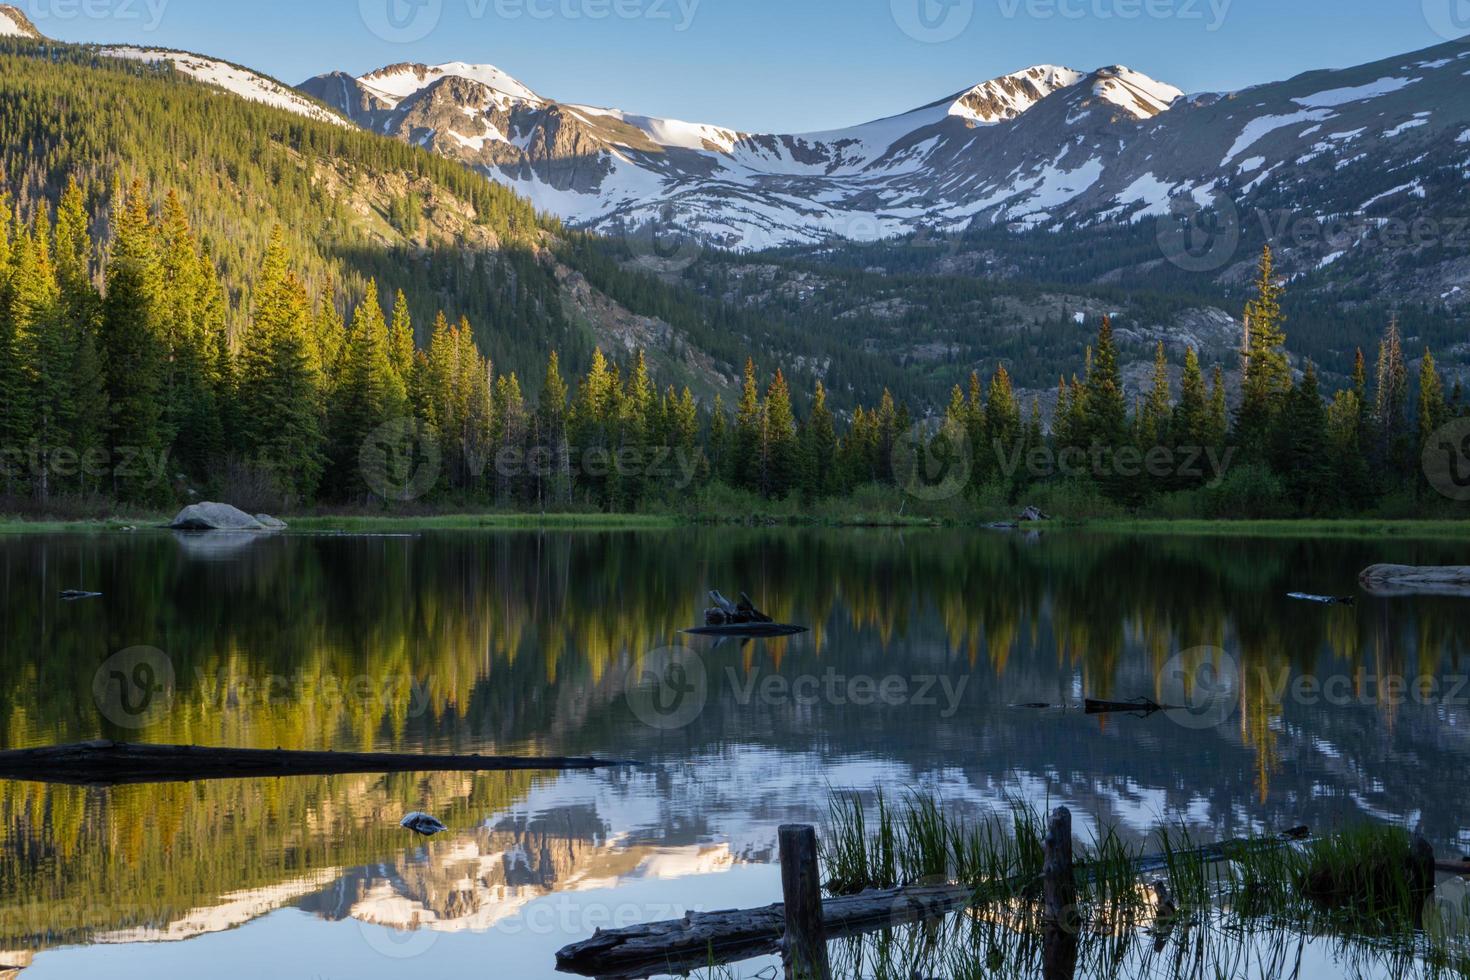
{"x": 1211, "y": 13}
{"x": 407, "y": 21}
{"x": 840, "y": 690}
{"x": 933, "y": 21}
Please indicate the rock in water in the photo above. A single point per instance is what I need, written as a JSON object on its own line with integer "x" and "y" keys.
{"x": 271, "y": 523}
{"x": 221, "y": 517}
{"x": 422, "y": 823}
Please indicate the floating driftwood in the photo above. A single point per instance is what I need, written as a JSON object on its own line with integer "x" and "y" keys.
{"x": 704, "y": 939}
{"x": 1406, "y": 580}
{"x": 76, "y": 595}
{"x": 1326, "y": 600}
{"x": 114, "y": 763}
{"x": 741, "y": 620}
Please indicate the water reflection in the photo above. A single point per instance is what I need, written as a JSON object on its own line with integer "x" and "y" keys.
{"x": 920, "y": 645}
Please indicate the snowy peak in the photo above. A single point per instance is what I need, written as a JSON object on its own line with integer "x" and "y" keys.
{"x": 14, "y": 23}
{"x": 231, "y": 78}
{"x": 1134, "y": 92}
{"x": 1010, "y": 95}
{"x": 670, "y": 132}
{"x": 397, "y": 82}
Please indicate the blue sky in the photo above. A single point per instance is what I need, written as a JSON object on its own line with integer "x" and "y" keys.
{"x": 774, "y": 65}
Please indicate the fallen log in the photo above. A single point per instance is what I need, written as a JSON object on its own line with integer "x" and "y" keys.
{"x": 705, "y": 939}
{"x": 1388, "y": 581}
{"x": 1138, "y": 706}
{"x": 105, "y": 763}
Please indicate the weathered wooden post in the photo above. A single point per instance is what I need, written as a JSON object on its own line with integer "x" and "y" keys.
{"x": 1060, "y": 921}
{"x": 805, "y": 950}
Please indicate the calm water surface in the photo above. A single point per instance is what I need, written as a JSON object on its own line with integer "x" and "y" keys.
{"x": 921, "y": 645}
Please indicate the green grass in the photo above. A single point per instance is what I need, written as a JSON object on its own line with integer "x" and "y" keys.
{"x": 1315, "y": 528}
{"x": 495, "y": 521}
{"x": 1241, "y": 910}
{"x": 21, "y": 525}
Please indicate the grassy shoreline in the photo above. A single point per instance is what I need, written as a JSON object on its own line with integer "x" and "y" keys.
{"x": 583, "y": 521}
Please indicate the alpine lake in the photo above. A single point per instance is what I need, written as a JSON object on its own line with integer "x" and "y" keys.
{"x": 929, "y": 656}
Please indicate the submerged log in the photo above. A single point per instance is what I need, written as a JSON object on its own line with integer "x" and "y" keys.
{"x": 113, "y": 763}
{"x": 704, "y": 939}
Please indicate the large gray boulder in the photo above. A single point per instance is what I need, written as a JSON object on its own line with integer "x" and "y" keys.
{"x": 222, "y": 517}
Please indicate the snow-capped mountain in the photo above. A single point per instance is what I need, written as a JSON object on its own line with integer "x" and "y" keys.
{"x": 615, "y": 170}
{"x": 1046, "y": 147}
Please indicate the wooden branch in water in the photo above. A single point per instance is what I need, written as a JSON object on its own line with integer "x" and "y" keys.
{"x": 703, "y": 939}
{"x": 114, "y": 763}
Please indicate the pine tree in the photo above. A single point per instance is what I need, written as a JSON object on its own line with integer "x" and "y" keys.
{"x": 281, "y": 426}
{"x": 783, "y": 467}
{"x": 1219, "y": 413}
{"x": 45, "y": 347}
{"x": 1153, "y": 428}
{"x": 400, "y": 339}
{"x": 368, "y": 394}
{"x": 1267, "y": 371}
{"x": 1106, "y": 409}
{"x": 81, "y": 312}
{"x": 1346, "y": 437}
{"x": 718, "y": 440}
{"x": 1433, "y": 410}
{"x": 1390, "y": 410}
{"x": 1003, "y": 433}
{"x": 191, "y": 411}
{"x": 508, "y": 432}
{"x": 888, "y": 429}
{"x": 747, "y": 463}
{"x": 1191, "y": 424}
{"x": 819, "y": 434}
{"x": 132, "y": 349}
{"x": 329, "y": 335}
{"x": 1302, "y": 447}
{"x": 551, "y": 420}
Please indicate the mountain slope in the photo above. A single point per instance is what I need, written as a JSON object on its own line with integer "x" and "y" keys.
{"x": 232, "y": 78}
{"x": 614, "y": 171}
{"x": 1047, "y": 147}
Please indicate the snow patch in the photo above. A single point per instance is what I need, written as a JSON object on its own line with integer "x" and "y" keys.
{"x": 1258, "y": 128}
{"x": 1415, "y": 188}
{"x": 1404, "y": 127}
{"x": 1149, "y": 191}
{"x": 1357, "y": 93}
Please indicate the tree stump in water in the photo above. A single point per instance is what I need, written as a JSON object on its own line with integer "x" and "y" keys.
{"x": 1059, "y": 894}
{"x": 805, "y": 948}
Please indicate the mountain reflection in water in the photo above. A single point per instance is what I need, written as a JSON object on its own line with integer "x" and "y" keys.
{"x": 523, "y": 642}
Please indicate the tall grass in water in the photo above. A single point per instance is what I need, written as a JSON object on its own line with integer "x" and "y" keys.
{"x": 1167, "y": 907}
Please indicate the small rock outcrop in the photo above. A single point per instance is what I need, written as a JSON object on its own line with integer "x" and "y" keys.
{"x": 222, "y": 517}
